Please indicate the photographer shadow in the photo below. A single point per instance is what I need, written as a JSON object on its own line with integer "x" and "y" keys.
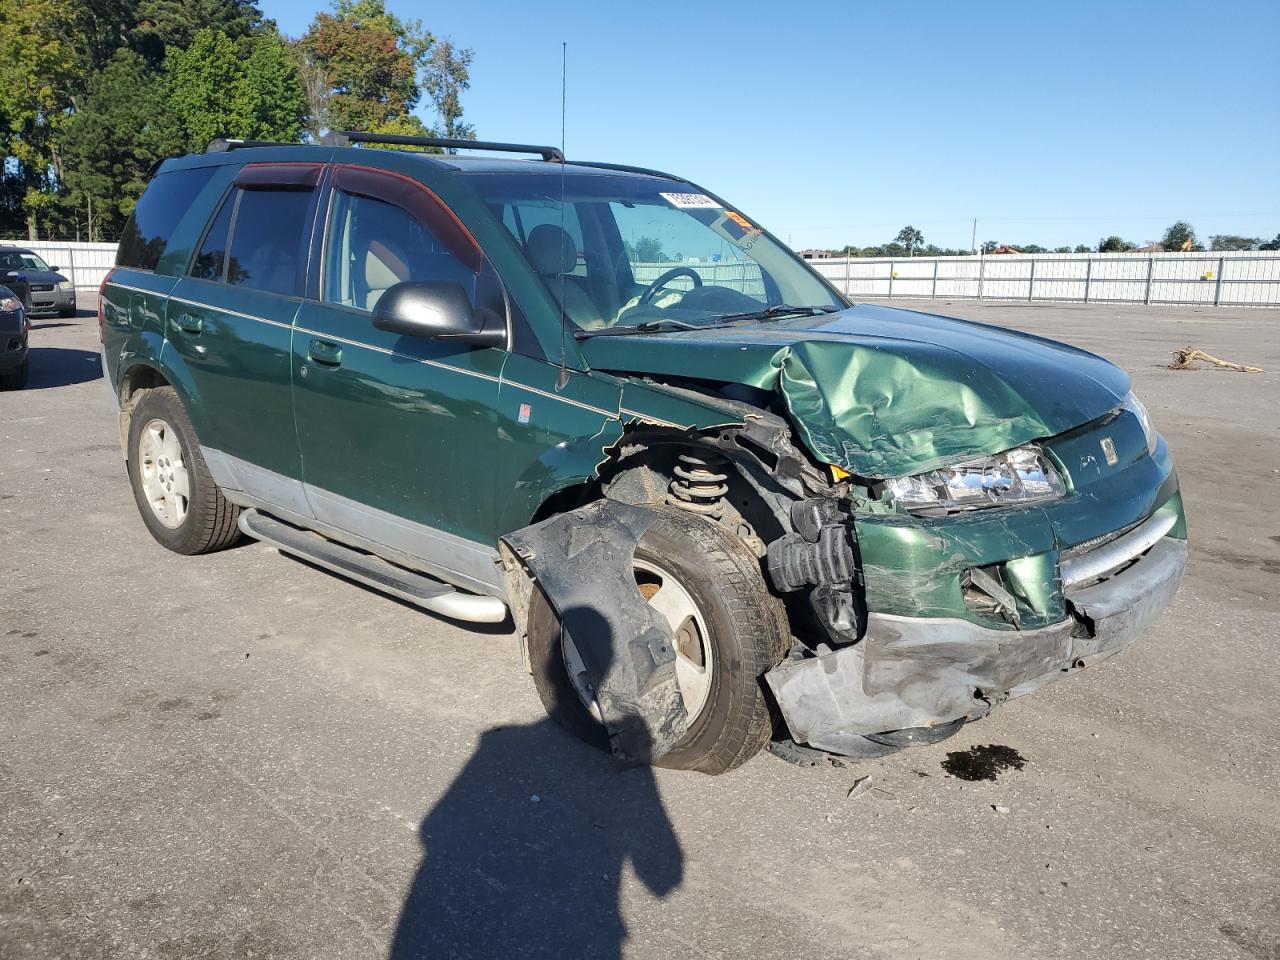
{"x": 524, "y": 854}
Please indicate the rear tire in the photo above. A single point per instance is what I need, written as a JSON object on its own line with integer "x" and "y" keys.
{"x": 746, "y": 632}
{"x": 16, "y": 379}
{"x": 179, "y": 502}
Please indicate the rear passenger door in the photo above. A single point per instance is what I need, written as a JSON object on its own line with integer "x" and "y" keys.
{"x": 231, "y": 321}
{"x": 396, "y": 431}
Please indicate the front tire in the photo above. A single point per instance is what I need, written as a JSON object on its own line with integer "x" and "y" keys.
{"x": 179, "y": 502}
{"x": 699, "y": 565}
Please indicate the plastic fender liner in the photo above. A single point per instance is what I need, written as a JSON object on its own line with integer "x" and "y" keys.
{"x": 582, "y": 561}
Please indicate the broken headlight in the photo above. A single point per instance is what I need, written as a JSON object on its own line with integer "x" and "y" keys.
{"x": 1134, "y": 406}
{"x": 1022, "y": 475}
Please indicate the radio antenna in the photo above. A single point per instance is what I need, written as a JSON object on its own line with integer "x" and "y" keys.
{"x": 563, "y": 379}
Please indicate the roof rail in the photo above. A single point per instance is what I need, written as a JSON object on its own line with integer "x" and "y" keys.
{"x": 625, "y": 168}
{"x": 343, "y": 137}
{"x": 223, "y": 144}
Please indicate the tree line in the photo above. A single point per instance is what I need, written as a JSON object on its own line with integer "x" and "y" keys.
{"x": 94, "y": 93}
{"x": 1180, "y": 236}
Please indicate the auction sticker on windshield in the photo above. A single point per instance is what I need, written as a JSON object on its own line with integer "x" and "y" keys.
{"x": 690, "y": 201}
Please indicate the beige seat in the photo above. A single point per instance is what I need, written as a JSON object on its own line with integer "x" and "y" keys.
{"x": 553, "y": 254}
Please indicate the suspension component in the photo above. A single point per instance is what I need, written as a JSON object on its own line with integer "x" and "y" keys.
{"x": 700, "y": 483}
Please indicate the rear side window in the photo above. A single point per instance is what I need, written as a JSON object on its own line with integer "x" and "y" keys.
{"x": 268, "y": 235}
{"x": 157, "y": 214}
{"x": 213, "y": 252}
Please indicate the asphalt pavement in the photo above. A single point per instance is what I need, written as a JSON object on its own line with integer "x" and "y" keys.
{"x": 240, "y": 755}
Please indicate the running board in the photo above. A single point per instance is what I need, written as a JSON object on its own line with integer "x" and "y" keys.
{"x": 416, "y": 588}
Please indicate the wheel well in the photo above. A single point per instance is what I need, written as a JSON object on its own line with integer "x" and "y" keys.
{"x": 141, "y": 377}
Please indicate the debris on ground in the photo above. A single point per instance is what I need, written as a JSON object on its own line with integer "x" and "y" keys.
{"x": 982, "y": 763}
{"x": 999, "y": 808}
{"x": 861, "y": 787}
{"x": 1186, "y": 358}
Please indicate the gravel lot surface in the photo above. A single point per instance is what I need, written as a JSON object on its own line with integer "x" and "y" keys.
{"x": 242, "y": 756}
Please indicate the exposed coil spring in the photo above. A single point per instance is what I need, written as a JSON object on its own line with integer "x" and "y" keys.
{"x": 699, "y": 485}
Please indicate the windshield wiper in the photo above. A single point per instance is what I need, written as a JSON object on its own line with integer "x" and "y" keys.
{"x": 665, "y": 325}
{"x": 772, "y": 313}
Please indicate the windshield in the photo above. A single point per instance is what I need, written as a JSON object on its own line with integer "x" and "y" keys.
{"x": 32, "y": 262}
{"x": 620, "y": 251}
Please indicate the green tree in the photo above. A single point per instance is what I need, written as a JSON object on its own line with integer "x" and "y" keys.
{"x": 38, "y": 76}
{"x": 1082, "y": 248}
{"x": 202, "y": 80}
{"x": 1229, "y": 241}
{"x": 1271, "y": 244}
{"x": 989, "y": 245}
{"x": 1180, "y": 236}
{"x": 112, "y": 142}
{"x": 370, "y": 60}
{"x": 910, "y": 238}
{"x": 646, "y": 250}
{"x": 269, "y": 102}
{"x": 448, "y": 73}
{"x": 1114, "y": 244}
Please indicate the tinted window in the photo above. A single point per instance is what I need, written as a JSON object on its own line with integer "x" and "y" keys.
{"x": 267, "y": 240}
{"x": 208, "y": 262}
{"x": 157, "y": 213}
{"x": 374, "y": 245}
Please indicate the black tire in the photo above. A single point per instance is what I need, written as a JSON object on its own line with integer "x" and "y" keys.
{"x": 748, "y": 636}
{"x": 16, "y": 379}
{"x": 210, "y": 521}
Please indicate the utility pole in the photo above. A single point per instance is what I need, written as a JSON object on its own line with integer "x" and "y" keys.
{"x": 973, "y": 241}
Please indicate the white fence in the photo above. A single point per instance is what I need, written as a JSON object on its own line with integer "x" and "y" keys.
{"x": 84, "y": 264}
{"x": 1241, "y": 279}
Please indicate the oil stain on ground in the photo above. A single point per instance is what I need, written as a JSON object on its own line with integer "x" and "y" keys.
{"x": 982, "y": 763}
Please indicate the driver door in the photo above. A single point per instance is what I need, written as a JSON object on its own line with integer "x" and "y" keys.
{"x": 396, "y": 431}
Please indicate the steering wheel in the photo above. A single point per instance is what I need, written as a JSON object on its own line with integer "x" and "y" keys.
{"x": 657, "y": 285}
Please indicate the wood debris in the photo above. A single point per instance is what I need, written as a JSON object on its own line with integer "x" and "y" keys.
{"x": 1186, "y": 358}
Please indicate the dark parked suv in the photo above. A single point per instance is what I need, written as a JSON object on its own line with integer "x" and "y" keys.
{"x": 718, "y": 501}
{"x": 49, "y": 290}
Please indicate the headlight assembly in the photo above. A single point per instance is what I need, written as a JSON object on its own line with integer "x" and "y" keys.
{"x": 1134, "y": 406}
{"x": 66, "y": 285}
{"x": 1022, "y": 475}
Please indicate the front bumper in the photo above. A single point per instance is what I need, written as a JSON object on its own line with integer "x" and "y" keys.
{"x": 52, "y": 301}
{"x": 928, "y": 673}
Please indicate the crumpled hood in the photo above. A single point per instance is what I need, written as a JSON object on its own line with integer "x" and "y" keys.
{"x": 885, "y": 392}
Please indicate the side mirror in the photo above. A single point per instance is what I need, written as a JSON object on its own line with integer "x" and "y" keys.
{"x": 54, "y": 269}
{"x": 441, "y": 310}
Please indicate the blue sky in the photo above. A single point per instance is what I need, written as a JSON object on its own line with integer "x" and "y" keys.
{"x": 838, "y": 123}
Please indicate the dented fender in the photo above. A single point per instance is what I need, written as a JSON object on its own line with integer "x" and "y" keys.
{"x": 582, "y": 562}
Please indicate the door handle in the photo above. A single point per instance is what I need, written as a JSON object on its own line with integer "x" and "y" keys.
{"x": 326, "y": 353}
{"x": 189, "y": 324}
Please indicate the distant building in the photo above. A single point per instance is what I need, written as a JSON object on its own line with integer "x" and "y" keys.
{"x": 816, "y": 254}
{"x": 1004, "y": 248}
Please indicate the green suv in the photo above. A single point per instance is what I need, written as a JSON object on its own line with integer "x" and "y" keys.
{"x": 723, "y": 506}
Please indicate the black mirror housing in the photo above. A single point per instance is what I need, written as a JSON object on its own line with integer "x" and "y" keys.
{"x": 439, "y": 310}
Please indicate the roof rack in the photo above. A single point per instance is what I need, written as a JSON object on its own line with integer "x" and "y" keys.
{"x": 343, "y": 137}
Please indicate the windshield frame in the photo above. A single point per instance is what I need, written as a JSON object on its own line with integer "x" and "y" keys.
{"x": 586, "y": 187}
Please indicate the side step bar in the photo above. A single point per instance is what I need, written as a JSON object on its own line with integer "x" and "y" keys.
{"x": 416, "y": 588}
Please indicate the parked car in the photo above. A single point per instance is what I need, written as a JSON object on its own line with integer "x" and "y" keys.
{"x": 15, "y": 329}
{"x": 51, "y": 292}
{"x": 717, "y": 499}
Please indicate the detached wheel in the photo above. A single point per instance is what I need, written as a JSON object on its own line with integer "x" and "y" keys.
{"x": 179, "y": 502}
{"x": 728, "y": 631}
